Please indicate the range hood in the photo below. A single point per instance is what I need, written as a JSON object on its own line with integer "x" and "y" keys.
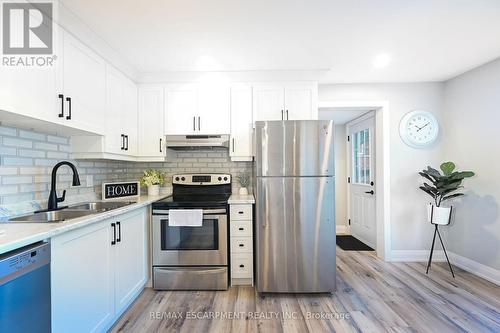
{"x": 197, "y": 142}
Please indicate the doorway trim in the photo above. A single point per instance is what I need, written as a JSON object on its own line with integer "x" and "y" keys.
{"x": 382, "y": 168}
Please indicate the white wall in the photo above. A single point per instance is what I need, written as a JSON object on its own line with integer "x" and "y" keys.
{"x": 471, "y": 139}
{"x": 340, "y": 176}
{"x": 409, "y": 230}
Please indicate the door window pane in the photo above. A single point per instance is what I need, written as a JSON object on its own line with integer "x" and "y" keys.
{"x": 205, "y": 237}
{"x": 361, "y": 157}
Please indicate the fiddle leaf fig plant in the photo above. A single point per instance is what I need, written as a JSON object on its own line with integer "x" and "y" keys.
{"x": 443, "y": 185}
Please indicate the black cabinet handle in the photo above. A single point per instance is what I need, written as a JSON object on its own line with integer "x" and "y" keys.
{"x": 194, "y": 123}
{"x": 241, "y": 229}
{"x": 233, "y": 145}
{"x": 241, "y": 245}
{"x": 61, "y": 96}
{"x": 199, "y": 123}
{"x": 68, "y": 117}
{"x": 123, "y": 142}
{"x": 119, "y": 225}
{"x": 286, "y": 114}
{"x": 282, "y": 116}
{"x": 240, "y": 212}
{"x": 113, "y": 242}
{"x": 126, "y": 145}
{"x": 241, "y": 266}
{"x": 370, "y": 192}
{"x": 160, "y": 144}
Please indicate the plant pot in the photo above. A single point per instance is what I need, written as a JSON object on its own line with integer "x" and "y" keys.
{"x": 243, "y": 191}
{"x": 154, "y": 190}
{"x": 439, "y": 215}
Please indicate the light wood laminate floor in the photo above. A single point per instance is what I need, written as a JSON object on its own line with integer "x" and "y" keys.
{"x": 371, "y": 296}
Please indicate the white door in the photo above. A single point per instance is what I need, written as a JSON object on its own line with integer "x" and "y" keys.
{"x": 268, "y": 102}
{"x": 130, "y": 258}
{"x": 181, "y": 109}
{"x": 362, "y": 194}
{"x": 82, "y": 280}
{"x": 84, "y": 85}
{"x": 241, "y": 121}
{"x": 151, "y": 123}
{"x": 214, "y": 115}
{"x": 301, "y": 102}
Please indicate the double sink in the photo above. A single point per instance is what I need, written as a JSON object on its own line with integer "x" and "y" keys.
{"x": 71, "y": 212}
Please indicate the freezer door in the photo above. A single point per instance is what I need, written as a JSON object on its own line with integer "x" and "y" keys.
{"x": 295, "y": 234}
{"x": 294, "y": 148}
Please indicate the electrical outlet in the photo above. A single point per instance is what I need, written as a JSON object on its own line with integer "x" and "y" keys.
{"x": 89, "y": 180}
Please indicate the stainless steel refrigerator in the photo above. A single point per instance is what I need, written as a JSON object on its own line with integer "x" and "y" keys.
{"x": 295, "y": 206}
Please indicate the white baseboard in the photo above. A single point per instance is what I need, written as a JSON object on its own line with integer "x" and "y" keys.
{"x": 486, "y": 272}
{"x": 416, "y": 255}
{"x": 341, "y": 229}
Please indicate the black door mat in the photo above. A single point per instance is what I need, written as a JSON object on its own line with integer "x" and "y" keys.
{"x": 349, "y": 243}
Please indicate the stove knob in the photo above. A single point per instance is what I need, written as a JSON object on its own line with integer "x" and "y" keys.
{"x": 183, "y": 178}
{"x": 177, "y": 179}
{"x": 220, "y": 178}
{"x": 225, "y": 178}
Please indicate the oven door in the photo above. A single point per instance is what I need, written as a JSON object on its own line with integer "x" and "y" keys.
{"x": 179, "y": 246}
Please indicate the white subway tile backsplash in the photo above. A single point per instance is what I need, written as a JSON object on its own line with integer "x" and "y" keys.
{"x": 27, "y": 159}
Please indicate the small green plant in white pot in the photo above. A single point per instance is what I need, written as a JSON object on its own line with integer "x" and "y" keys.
{"x": 153, "y": 179}
{"x": 244, "y": 180}
{"x": 442, "y": 187}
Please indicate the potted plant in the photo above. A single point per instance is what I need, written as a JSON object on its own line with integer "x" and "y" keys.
{"x": 153, "y": 179}
{"x": 244, "y": 180}
{"x": 442, "y": 187}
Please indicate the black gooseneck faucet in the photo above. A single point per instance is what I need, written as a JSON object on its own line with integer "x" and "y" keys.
{"x": 53, "y": 199}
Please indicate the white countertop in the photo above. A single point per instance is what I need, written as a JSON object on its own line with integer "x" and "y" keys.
{"x": 236, "y": 199}
{"x": 16, "y": 235}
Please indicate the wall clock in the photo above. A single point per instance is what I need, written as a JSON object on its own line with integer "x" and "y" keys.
{"x": 419, "y": 129}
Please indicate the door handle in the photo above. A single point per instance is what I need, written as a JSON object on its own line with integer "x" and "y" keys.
{"x": 119, "y": 239}
{"x": 160, "y": 144}
{"x": 113, "y": 242}
{"x": 68, "y": 117}
{"x": 199, "y": 123}
{"x": 61, "y": 96}
{"x": 370, "y": 192}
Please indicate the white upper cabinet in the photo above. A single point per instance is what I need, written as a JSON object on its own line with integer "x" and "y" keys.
{"x": 241, "y": 122}
{"x": 214, "y": 116}
{"x": 181, "y": 109}
{"x": 268, "y": 102}
{"x": 129, "y": 118}
{"x": 114, "y": 140}
{"x": 197, "y": 109}
{"x": 151, "y": 129}
{"x": 288, "y": 101}
{"x": 83, "y": 86}
{"x": 301, "y": 101}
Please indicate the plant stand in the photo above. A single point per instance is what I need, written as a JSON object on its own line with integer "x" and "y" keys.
{"x": 436, "y": 231}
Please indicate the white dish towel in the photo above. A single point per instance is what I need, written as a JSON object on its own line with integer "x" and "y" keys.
{"x": 185, "y": 217}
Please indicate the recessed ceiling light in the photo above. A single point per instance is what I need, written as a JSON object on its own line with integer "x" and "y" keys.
{"x": 382, "y": 60}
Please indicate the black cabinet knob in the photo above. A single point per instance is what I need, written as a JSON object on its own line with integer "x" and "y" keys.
{"x": 219, "y": 179}
{"x": 241, "y": 266}
{"x": 183, "y": 178}
{"x": 177, "y": 178}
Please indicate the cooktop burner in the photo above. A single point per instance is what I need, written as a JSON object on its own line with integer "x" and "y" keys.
{"x": 197, "y": 191}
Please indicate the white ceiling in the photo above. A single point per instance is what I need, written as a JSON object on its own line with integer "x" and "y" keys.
{"x": 427, "y": 40}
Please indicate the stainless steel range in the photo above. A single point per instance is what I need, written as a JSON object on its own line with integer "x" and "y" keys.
{"x": 192, "y": 257}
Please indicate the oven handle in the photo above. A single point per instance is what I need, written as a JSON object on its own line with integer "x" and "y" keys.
{"x": 205, "y": 211}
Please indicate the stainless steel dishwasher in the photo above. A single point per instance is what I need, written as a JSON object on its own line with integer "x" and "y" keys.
{"x": 25, "y": 289}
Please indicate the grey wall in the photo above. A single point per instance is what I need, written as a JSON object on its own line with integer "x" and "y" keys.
{"x": 27, "y": 157}
{"x": 471, "y": 139}
{"x": 409, "y": 229}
